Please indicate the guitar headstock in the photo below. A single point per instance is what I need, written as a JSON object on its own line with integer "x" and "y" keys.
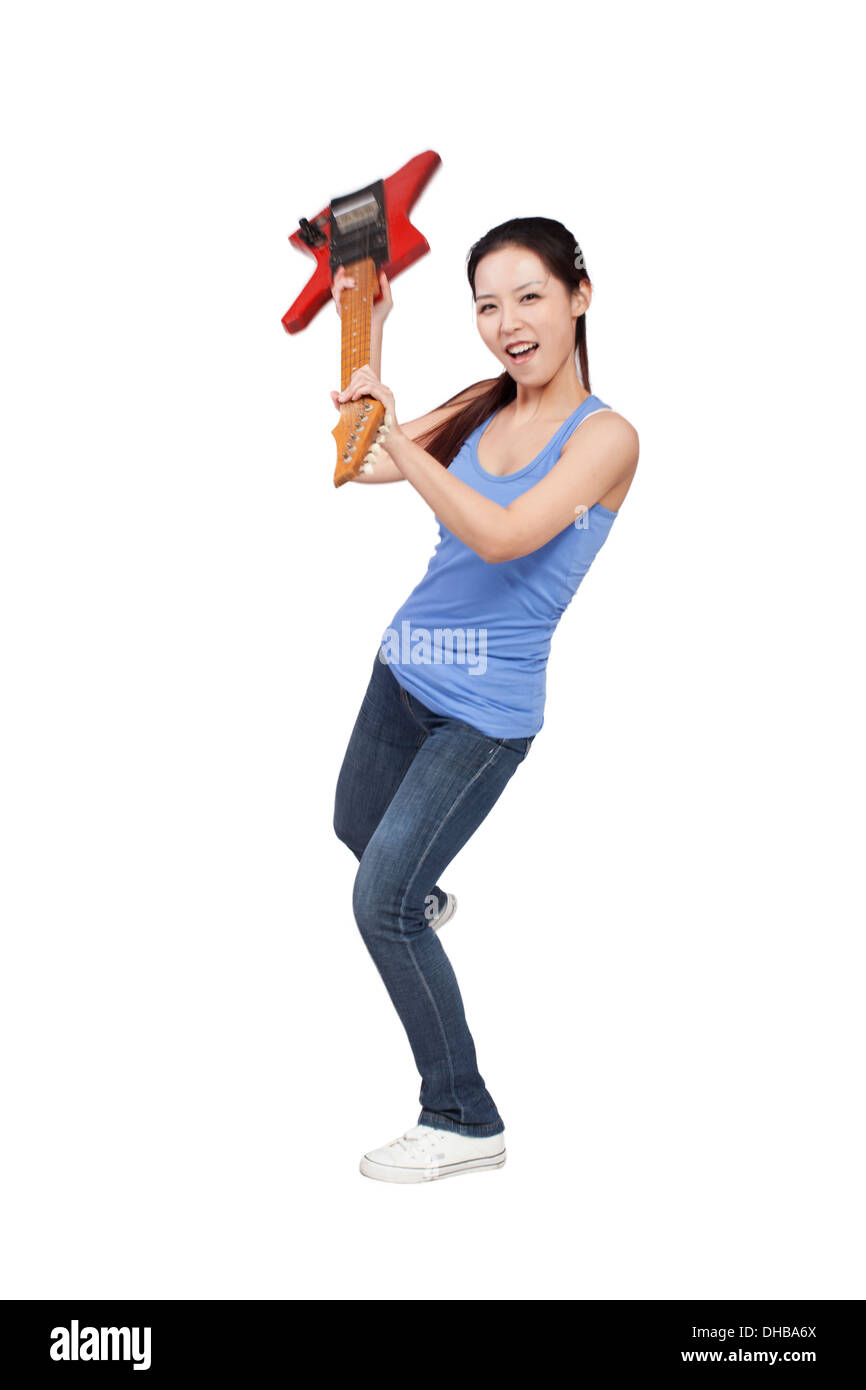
{"x": 363, "y": 426}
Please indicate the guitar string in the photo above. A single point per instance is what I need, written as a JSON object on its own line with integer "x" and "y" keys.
{"x": 360, "y": 309}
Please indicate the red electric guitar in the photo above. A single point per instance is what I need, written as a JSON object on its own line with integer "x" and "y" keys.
{"x": 365, "y": 231}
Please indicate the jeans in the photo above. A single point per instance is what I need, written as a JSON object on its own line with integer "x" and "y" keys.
{"x": 413, "y": 787}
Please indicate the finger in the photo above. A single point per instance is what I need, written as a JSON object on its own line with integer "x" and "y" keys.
{"x": 360, "y": 375}
{"x": 341, "y": 282}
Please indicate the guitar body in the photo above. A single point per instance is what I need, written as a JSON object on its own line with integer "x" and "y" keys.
{"x": 366, "y": 231}
{"x": 405, "y": 244}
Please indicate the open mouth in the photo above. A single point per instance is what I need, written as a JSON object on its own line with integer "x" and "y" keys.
{"x": 522, "y": 351}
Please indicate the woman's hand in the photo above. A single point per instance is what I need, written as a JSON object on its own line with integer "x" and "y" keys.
{"x": 364, "y": 382}
{"x": 381, "y": 307}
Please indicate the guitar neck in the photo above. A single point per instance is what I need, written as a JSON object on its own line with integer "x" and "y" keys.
{"x": 356, "y": 309}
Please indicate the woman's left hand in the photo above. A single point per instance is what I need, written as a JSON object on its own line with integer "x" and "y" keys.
{"x": 364, "y": 382}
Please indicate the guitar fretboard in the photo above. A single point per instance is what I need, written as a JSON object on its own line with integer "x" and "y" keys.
{"x": 356, "y": 305}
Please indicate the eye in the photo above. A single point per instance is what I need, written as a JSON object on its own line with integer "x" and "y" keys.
{"x": 530, "y": 294}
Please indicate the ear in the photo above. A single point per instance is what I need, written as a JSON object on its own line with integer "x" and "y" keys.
{"x": 581, "y": 297}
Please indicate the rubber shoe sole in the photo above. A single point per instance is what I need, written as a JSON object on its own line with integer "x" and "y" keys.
{"x": 388, "y": 1172}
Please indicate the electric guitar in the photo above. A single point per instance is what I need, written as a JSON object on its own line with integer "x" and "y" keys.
{"x": 365, "y": 231}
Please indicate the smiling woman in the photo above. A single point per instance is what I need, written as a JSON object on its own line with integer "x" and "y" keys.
{"x": 525, "y": 473}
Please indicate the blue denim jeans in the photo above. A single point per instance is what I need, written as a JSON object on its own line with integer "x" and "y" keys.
{"x": 413, "y": 787}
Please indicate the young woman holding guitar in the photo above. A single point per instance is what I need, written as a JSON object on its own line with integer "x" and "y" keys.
{"x": 525, "y": 473}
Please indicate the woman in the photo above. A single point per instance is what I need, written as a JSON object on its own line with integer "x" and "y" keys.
{"x": 524, "y": 499}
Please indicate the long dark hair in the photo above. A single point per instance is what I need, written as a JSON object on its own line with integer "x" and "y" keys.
{"x": 557, "y": 248}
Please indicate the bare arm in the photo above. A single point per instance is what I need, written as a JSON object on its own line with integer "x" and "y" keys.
{"x": 601, "y": 453}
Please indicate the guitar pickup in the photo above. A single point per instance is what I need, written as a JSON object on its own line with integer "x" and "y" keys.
{"x": 359, "y": 227}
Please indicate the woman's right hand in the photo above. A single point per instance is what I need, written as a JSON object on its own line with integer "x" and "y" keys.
{"x": 381, "y": 307}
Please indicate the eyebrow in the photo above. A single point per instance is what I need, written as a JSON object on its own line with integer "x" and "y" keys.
{"x": 514, "y": 291}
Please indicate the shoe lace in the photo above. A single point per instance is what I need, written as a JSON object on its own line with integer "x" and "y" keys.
{"x": 416, "y": 1143}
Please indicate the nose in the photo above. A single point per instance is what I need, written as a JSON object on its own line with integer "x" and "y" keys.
{"x": 509, "y": 328}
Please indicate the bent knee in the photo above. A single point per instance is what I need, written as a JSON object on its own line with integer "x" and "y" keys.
{"x": 367, "y": 898}
{"x": 382, "y": 903}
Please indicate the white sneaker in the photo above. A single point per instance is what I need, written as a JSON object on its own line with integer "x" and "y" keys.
{"x": 424, "y": 1153}
{"x": 447, "y": 912}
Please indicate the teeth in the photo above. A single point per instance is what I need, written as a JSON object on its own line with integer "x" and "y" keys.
{"x": 519, "y": 352}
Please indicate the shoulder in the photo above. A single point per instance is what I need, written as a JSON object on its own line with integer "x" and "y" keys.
{"x": 609, "y": 431}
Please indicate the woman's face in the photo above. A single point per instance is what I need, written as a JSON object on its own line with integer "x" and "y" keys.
{"x": 518, "y": 300}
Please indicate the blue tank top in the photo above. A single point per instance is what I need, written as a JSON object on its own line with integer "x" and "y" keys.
{"x": 472, "y": 639}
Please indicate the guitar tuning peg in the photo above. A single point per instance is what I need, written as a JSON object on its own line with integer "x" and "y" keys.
{"x": 366, "y": 467}
{"x": 389, "y": 420}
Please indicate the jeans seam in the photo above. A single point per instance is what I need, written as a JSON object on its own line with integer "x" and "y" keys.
{"x": 417, "y": 870}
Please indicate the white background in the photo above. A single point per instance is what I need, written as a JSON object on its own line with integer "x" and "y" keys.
{"x": 659, "y": 938}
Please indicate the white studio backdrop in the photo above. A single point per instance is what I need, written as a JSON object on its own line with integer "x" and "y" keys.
{"x": 659, "y": 940}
